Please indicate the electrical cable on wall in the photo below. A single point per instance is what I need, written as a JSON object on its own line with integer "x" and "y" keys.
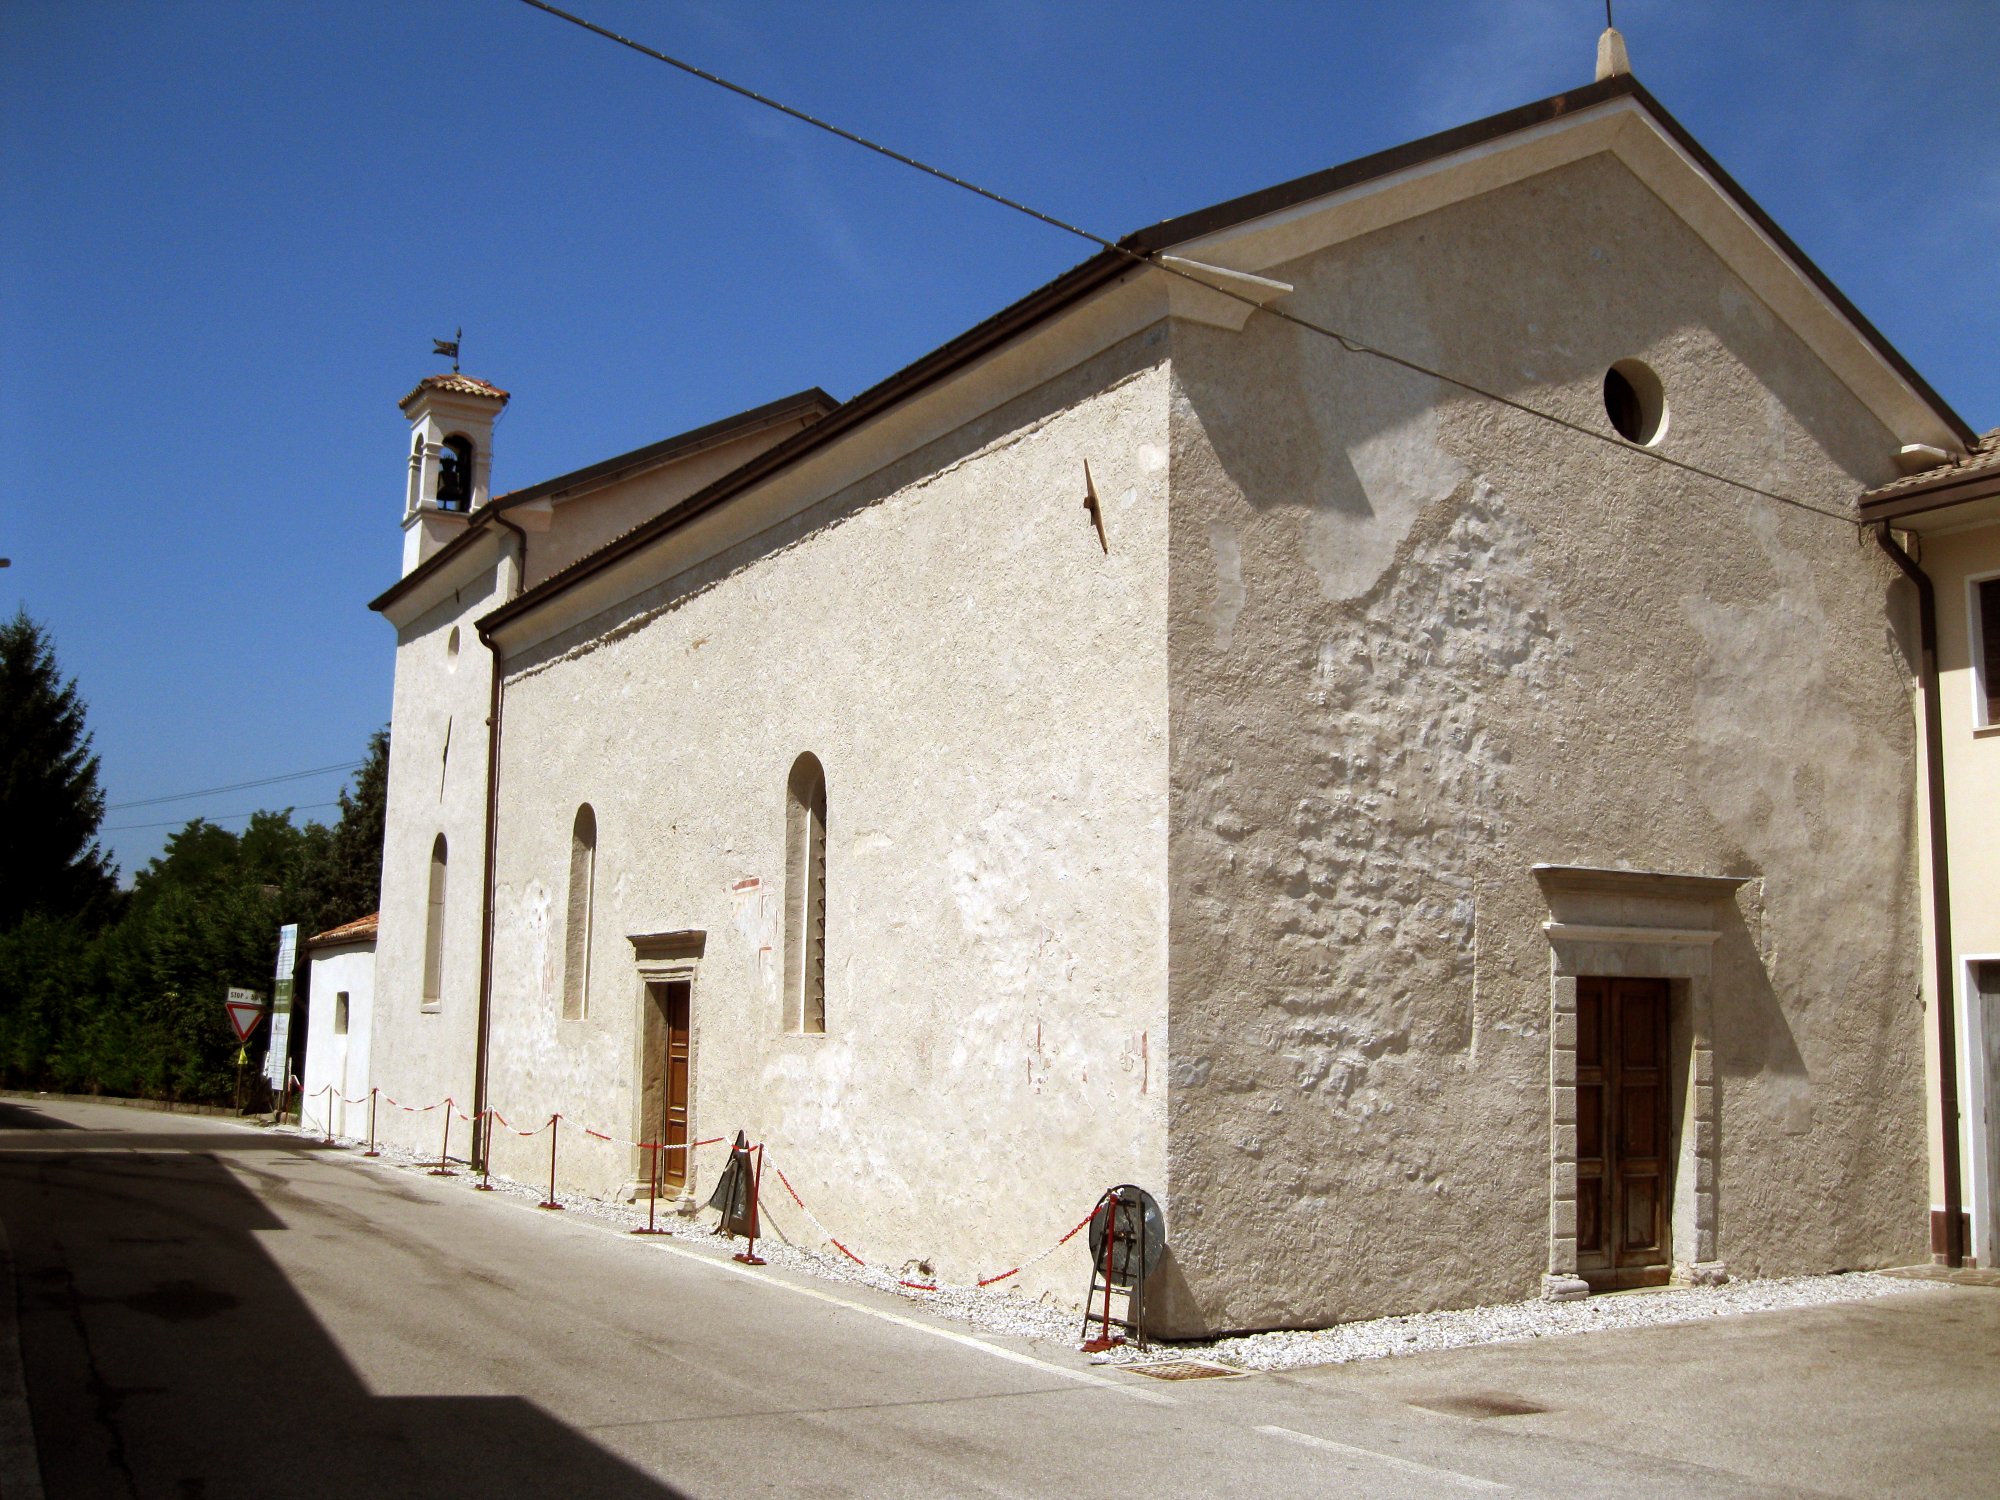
{"x": 1152, "y": 260}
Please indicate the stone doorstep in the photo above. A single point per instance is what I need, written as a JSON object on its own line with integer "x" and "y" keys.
{"x": 638, "y": 1193}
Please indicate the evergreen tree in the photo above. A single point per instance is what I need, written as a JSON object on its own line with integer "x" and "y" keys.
{"x": 136, "y": 1007}
{"x": 50, "y": 802}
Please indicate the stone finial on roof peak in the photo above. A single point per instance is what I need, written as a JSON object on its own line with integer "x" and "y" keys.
{"x": 1612, "y": 59}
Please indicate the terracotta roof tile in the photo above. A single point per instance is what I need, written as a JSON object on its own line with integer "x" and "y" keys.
{"x": 361, "y": 930}
{"x": 1983, "y": 455}
{"x": 457, "y": 385}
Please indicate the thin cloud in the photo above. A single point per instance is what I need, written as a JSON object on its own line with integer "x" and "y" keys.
{"x": 1498, "y": 56}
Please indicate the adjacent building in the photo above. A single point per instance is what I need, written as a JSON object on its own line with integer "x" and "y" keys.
{"x": 339, "y": 1023}
{"x": 1945, "y": 521}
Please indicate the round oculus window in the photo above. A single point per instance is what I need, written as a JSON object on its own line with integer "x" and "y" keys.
{"x": 1635, "y": 402}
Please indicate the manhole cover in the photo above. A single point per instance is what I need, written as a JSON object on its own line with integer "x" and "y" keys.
{"x": 1188, "y": 1369}
{"x": 1480, "y": 1405}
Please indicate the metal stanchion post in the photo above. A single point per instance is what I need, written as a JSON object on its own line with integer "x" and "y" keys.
{"x": 555, "y": 1124}
{"x": 371, "y": 1151}
{"x": 653, "y": 1203}
{"x": 444, "y": 1150}
{"x": 485, "y": 1183}
{"x": 328, "y": 1091}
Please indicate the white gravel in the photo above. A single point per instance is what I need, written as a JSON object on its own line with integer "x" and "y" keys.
{"x": 997, "y": 1310}
{"x": 1423, "y": 1333}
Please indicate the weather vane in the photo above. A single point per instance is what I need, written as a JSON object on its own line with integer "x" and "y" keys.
{"x": 448, "y": 348}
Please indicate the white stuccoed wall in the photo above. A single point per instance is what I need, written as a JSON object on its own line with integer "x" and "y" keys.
{"x": 342, "y": 1061}
{"x": 1419, "y": 645}
{"x": 437, "y": 783}
{"x": 986, "y": 689}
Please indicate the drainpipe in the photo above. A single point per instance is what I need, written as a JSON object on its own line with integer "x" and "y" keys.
{"x": 494, "y": 702}
{"x": 1945, "y": 981}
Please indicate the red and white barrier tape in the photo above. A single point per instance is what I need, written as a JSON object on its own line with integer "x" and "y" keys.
{"x": 792, "y": 1192}
{"x": 1037, "y": 1259}
{"x": 923, "y": 1286}
{"x": 828, "y": 1233}
{"x": 511, "y": 1126}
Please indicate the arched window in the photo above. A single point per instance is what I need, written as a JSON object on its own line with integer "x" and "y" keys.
{"x": 576, "y": 930}
{"x": 434, "y": 928}
{"x": 805, "y": 897}
{"x": 454, "y": 486}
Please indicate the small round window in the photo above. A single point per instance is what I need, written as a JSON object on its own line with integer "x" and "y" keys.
{"x": 1635, "y": 402}
{"x": 451, "y": 649}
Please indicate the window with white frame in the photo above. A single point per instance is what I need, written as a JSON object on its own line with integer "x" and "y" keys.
{"x": 1983, "y": 606}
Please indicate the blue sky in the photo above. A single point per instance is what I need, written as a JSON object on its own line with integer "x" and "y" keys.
{"x": 234, "y": 228}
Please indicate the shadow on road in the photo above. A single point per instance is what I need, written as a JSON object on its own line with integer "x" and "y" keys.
{"x": 17, "y": 1117}
{"x": 167, "y": 1354}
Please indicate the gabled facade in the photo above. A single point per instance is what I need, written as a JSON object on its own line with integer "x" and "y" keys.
{"x": 1441, "y": 853}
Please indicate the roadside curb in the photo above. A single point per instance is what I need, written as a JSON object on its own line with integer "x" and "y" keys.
{"x": 121, "y": 1101}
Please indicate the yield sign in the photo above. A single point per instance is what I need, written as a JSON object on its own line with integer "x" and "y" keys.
{"x": 246, "y": 1009}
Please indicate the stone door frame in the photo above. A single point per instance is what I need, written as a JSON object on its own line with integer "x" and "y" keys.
{"x": 661, "y": 958}
{"x": 1636, "y": 924}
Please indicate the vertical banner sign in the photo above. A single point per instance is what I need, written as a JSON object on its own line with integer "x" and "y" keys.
{"x": 281, "y": 1006}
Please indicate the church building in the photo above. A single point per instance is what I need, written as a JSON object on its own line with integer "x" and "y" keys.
{"x": 1365, "y": 710}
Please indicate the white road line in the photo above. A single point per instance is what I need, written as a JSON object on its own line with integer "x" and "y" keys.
{"x": 1081, "y": 1377}
{"x": 1408, "y": 1466}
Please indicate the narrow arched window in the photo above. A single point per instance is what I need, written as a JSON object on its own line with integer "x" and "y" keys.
{"x": 805, "y": 897}
{"x": 576, "y": 930}
{"x": 434, "y": 928}
{"x": 454, "y": 486}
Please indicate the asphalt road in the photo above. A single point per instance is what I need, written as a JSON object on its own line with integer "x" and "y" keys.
{"x": 208, "y": 1311}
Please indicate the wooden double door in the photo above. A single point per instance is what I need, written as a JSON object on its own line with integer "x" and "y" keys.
{"x": 1624, "y": 1152}
{"x": 663, "y": 1096}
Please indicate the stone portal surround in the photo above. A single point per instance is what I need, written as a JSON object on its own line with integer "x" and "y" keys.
{"x": 1648, "y": 925}
{"x": 663, "y": 958}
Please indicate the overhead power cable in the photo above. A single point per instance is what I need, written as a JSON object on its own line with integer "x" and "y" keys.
{"x": 217, "y": 818}
{"x": 1151, "y": 259}
{"x": 235, "y": 786}
{"x": 818, "y": 124}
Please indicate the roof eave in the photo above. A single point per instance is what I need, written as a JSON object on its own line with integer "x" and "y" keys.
{"x": 1924, "y": 500}
{"x": 1073, "y": 285}
{"x": 1108, "y": 265}
{"x": 610, "y": 471}
{"x": 800, "y": 404}
{"x": 438, "y": 561}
